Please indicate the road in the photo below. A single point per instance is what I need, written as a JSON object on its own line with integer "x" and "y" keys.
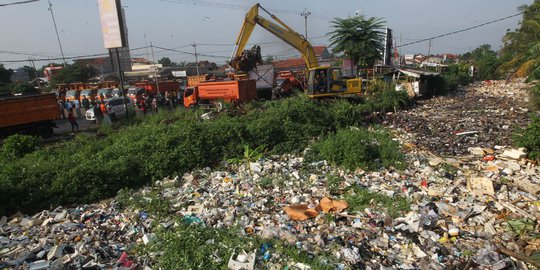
{"x": 64, "y": 127}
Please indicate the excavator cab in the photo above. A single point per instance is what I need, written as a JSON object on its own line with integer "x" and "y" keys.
{"x": 325, "y": 81}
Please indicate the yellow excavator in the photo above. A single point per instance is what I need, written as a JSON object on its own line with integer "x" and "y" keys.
{"x": 322, "y": 81}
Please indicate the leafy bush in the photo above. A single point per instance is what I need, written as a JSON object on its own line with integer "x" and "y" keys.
{"x": 197, "y": 247}
{"x": 16, "y": 146}
{"x": 358, "y": 148}
{"x": 167, "y": 144}
{"x": 456, "y": 75}
{"x": 528, "y": 138}
{"x": 361, "y": 198}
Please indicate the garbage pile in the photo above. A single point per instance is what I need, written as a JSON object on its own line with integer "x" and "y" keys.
{"x": 483, "y": 115}
{"x": 477, "y": 210}
{"x": 248, "y": 60}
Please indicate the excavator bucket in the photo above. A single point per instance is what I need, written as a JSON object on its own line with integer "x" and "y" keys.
{"x": 248, "y": 60}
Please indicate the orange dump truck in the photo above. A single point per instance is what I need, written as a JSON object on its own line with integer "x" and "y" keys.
{"x": 208, "y": 93}
{"x": 30, "y": 114}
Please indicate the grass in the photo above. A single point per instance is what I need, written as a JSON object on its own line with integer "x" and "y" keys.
{"x": 358, "y": 148}
{"x": 137, "y": 151}
{"x": 361, "y": 198}
{"x": 197, "y": 247}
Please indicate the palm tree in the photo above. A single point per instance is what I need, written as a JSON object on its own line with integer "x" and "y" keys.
{"x": 523, "y": 48}
{"x": 358, "y": 38}
{"x": 523, "y": 45}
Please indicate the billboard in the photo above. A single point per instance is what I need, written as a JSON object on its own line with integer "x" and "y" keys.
{"x": 111, "y": 23}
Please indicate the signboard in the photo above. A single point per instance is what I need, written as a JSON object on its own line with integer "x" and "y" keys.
{"x": 111, "y": 23}
{"x": 179, "y": 73}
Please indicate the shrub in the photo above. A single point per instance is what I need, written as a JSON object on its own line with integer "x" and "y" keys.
{"x": 358, "y": 148}
{"x": 16, "y": 146}
{"x": 528, "y": 138}
{"x": 166, "y": 144}
{"x": 360, "y": 198}
{"x": 197, "y": 247}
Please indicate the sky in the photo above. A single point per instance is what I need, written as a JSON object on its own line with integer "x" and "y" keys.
{"x": 27, "y": 30}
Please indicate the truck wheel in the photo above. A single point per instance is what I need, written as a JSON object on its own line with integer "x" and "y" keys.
{"x": 44, "y": 131}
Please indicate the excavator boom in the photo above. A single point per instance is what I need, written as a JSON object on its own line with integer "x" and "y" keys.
{"x": 281, "y": 30}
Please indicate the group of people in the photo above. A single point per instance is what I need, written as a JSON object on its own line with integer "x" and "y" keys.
{"x": 68, "y": 109}
{"x": 151, "y": 103}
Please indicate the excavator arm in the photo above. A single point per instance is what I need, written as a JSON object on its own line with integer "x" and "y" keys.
{"x": 282, "y": 31}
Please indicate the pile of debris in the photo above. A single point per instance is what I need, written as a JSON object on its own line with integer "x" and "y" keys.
{"x": 484, "y": 114}
{"x": 248, "y": 60}
{"x": 475, "y": 210}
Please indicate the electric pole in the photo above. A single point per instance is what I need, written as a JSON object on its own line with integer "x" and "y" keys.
{"x": 305, "y": 14}
{"x": 57, "y": 36}
{"x": 196, "y": 59}
{"x": 155, "y": 68}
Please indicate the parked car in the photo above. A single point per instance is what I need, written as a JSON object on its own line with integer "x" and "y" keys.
{"x": 90, "y": 94}
{"x": 115, "y": 105}
{"x": 105, "y": 92}
{"x": 72, "y": 95}
{"x": 116, "y": 92}
{"x": 135, "y": 93}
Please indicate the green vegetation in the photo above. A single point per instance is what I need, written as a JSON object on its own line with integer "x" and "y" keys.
{"x": 360, "y": 198}
{"x": 528, "y": 138}
{"x": 16, "y": 146}
{"x": 167, "y": 144}
{"x": 17, "y": 88}
{"x": 358, "y": 148}
{"x": 486, "y": 61}
{"x": 197, "y": 247}
{"x": 522, "y": 48}
{"x": 73, "y": 73}
{"x": 5, "y": 74}
{"x": 456, "y": 75}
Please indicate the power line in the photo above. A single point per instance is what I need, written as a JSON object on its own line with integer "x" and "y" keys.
{"x": 459, "y": 31}
{"x": 69, "y": 58}
{"x": 190, "y": 53}
{"x": 18, "y": 3}
{"x": 224, "y": 5}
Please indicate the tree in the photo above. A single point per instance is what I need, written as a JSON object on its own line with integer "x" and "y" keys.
{"x": 358, "y": 38}
{"x": 522, "y": 46}
{"x": 73, "y": 73}
{"x": 5, "y": 74}
{"x": 486, "y": 60}
{"x": 30, "y": 71}
{"x": 165, "y": 61}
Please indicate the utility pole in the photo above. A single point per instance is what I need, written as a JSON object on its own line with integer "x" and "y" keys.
{"x": 155, "y": 67}
{"x": 57, "y": 36}
{"x": 305, "y": 14}
{"x": 196, "y": 59}
{"x": 429, "y": 49}
{"x": 146, "y": 47}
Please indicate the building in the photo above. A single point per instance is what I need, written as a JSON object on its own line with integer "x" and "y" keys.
{"x": 324, "y": 57}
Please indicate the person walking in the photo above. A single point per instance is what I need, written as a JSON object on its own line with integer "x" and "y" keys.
{"x": 69, "y": 106}
{"x": 73, "y": 122}
{"x": 142, "y": 106}
{"x": 85, "y": 104}
{"x": 61, "y": 109}
{"x": 154, "y": 105}
{"x": 97, "y": 114}
{"x": 104, "y": 113}
{"x": 77, "y": 106}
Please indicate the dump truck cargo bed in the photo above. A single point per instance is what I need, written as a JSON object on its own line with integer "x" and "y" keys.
{"x": 33, "y": 113}
{"x": 241, "y": 91}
